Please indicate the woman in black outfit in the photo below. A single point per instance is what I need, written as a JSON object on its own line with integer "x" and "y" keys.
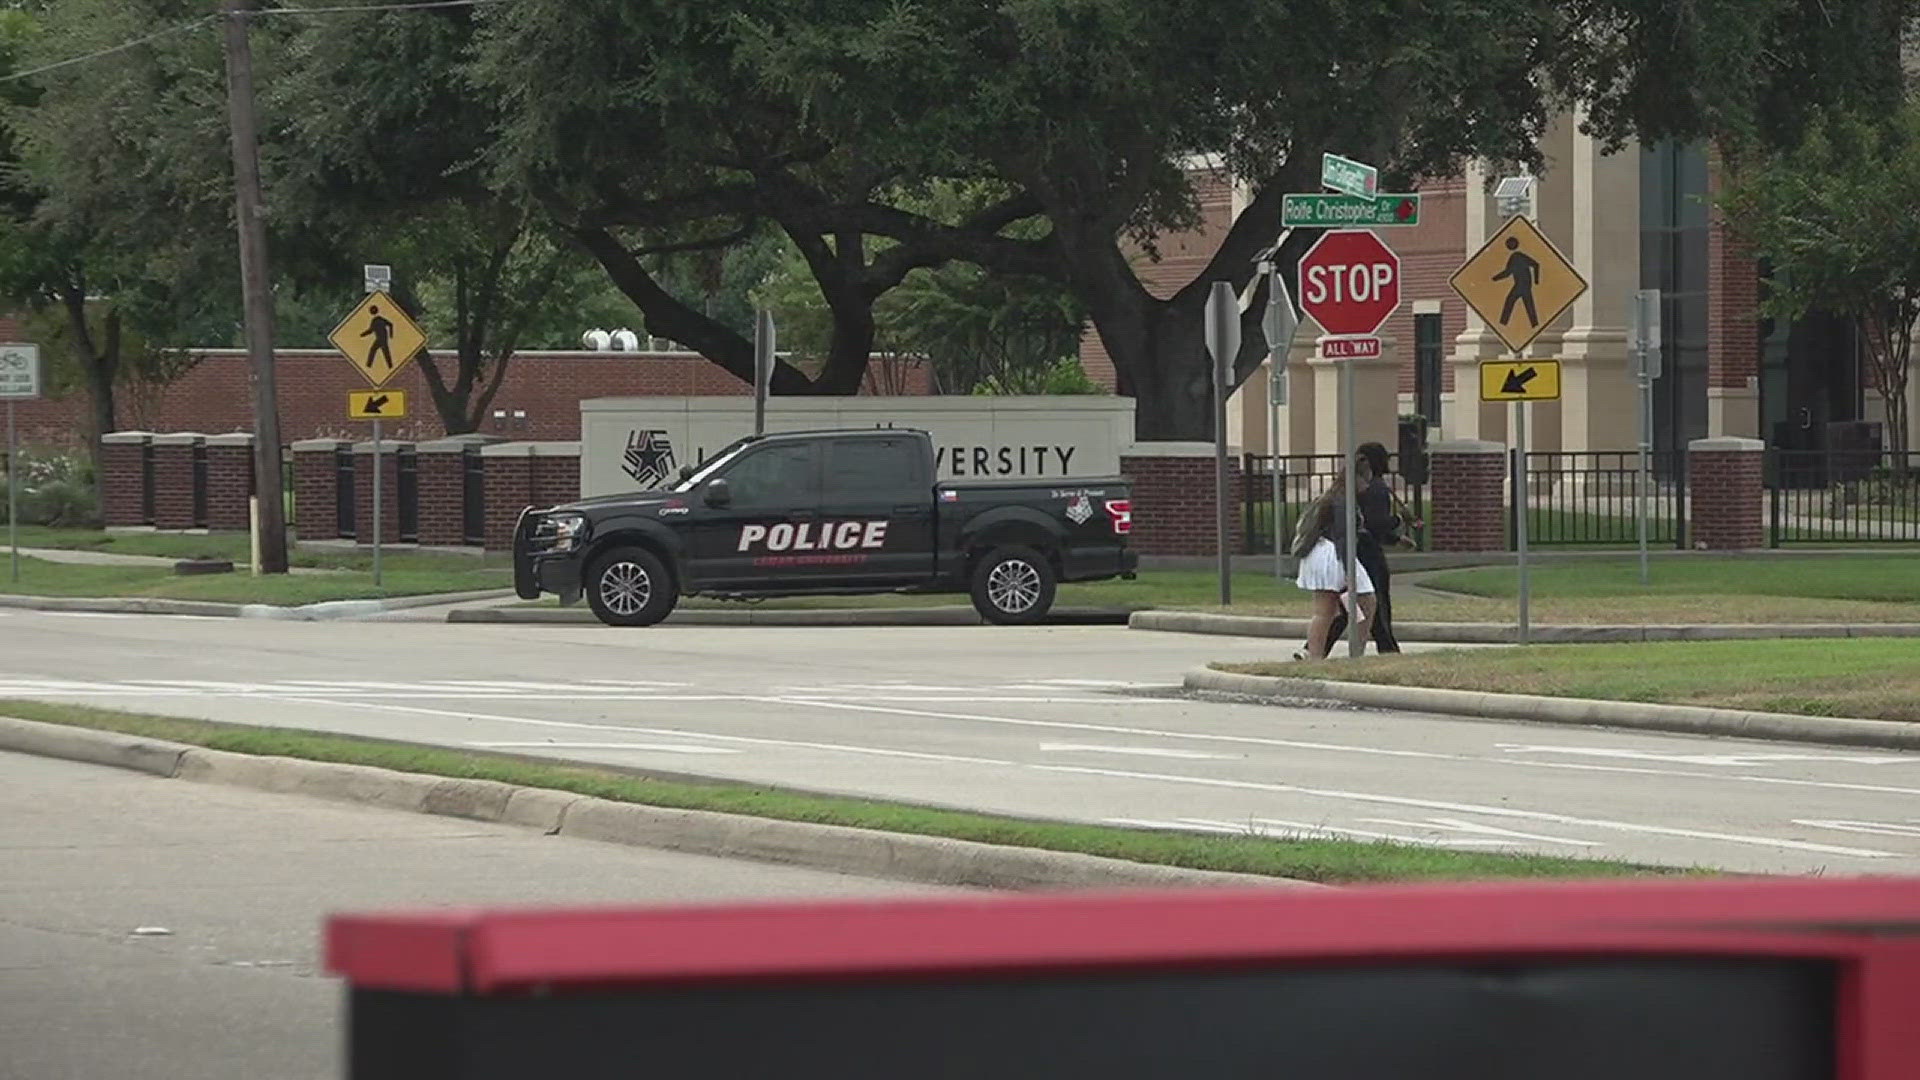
{"x": 1380, "y": 529}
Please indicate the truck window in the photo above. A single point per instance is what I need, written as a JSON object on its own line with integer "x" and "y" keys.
{"x": 870, "y": 469}
{"x": 784, "y": 474}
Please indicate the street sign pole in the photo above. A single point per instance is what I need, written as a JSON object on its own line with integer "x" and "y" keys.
{"x": 1644, "y": 317}
{"x": 376, "y": 504}
{"x": 1223, "y": 341}
{"x": 1279, "y": 325}
{"x": 13, "y": 490}
{"x": 1520, "y": 509}
{"x": 763, "y": 353}
{"x": 1356, "y": 645}
{"x": 1276, "y": 400}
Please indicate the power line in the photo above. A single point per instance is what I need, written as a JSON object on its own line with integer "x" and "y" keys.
{"x": 122, "y": 47}
{"x": 422, "y": 5}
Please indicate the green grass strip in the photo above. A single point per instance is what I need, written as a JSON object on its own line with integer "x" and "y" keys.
{"x": 1329, "y": 861}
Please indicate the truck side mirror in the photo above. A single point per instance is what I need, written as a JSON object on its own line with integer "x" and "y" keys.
{"x": 717, "y": 493}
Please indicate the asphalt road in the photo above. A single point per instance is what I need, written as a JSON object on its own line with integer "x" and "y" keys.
{"x": 170, "y": 931}
{"x": 1048, "y": 722}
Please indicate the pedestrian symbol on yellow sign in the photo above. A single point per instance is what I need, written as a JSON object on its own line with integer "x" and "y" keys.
{"x": 1519, "y": 283}
{"x": 378, "y": 338}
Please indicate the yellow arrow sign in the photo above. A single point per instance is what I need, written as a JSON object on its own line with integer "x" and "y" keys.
{"x": 376, "y": 404}
{"x": 378, "y": 338}
{"x": 1519, "y": 283}
{"x": 1520, "y": 380}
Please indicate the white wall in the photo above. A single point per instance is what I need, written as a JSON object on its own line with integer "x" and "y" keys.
{"x": 973, "y": 437}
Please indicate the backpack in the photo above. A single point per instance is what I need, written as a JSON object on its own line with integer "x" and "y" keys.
{"x": 1306, "y": 532}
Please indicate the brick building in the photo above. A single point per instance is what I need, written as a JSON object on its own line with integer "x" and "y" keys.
{"x": 1638, "y": 219}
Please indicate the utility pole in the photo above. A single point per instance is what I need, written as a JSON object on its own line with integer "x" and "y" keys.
{"x": 254, "y": 289}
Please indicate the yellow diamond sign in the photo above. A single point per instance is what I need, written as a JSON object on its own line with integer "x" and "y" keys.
{"x": 378, "y": 338}
{"x": 1519, "y": 283}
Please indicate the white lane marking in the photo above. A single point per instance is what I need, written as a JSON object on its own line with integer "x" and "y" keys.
{"x": 667, "y": 748}
{"x": 1109, "y": 683}
{"x": 1873, "y": 828}
{"x": 1735, "y": 759}
{"x": 1484, "y": 811}
{"x": 1271, "y": 828}
{"x": 573, "y": 725}
{"x": 1336, "y": 832}
{"x": 1459, "y": 825}
{"x": 1142, "y": 751}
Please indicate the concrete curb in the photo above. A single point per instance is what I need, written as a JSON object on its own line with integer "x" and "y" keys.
{"x": 1194, "y": 622}
{"x": 325, "y": 611}
{"x": 1579, "y": 712}
{"x": 899, "y": 856}
{"x": 939, "y": 616}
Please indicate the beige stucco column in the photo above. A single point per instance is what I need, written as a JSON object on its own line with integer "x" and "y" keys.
{"x": 1466, "y": 417}
{"x": 1376, "y": 399}
{"x": 1599, "y": 400}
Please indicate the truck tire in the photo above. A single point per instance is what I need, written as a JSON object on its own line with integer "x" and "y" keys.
{"x": 629, "y": 586}
{"x": 1013, "y": 586}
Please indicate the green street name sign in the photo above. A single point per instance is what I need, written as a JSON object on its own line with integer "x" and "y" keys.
{"x": 1341, "y": 211}
{"x": 1347, "y": 176}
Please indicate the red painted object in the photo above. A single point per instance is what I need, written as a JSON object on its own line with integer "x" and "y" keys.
{"x": 1349, "y": 282}
{"x": 1866, "y": 932}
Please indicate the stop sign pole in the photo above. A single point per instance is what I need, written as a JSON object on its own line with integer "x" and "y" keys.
{"x": 1350, "y": 283}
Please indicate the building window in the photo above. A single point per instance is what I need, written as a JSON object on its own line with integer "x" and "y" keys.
{"x": 1426, "y": 366}
{"x": 1673, "y": 259}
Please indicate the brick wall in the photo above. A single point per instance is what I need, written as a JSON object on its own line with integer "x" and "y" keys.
{"x": 122, "y": 478}
{"x": 520, "y": 475}
{"x": 1173, "y": 502}
{"x": 230, "y": 482}
{"x": 313, "y": 385}
{"x": 1733, "y": 303}
{"x": 315, "y": 476}
{"x": 389, "y": 491}
{"x": 1726, "y": 494}
{"x": 1468, "y": 512}
{"x": 442, "y": 472}
{"x": 173, "y": 481}
{"x": 1430, "y": 253}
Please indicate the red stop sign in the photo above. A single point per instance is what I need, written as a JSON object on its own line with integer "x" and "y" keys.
{"x": 1349, "y": 282}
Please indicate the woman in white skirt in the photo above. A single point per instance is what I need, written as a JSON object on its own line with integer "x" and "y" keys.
{"x": 1323, "y": 570}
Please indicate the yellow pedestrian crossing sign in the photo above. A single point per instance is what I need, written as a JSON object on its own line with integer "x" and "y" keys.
{"x": 1520, "y": 380}
{"x": 376, "y": 404}
{"x": 378, "y": 338}
{"x": 1519, "y": 283}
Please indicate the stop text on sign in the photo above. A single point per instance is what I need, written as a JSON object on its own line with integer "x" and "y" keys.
{"x": 1360, "y": 283}
{"x": 1350, "y": 348}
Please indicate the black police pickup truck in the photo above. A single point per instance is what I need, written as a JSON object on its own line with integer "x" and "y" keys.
{"x": 814, "y": 513}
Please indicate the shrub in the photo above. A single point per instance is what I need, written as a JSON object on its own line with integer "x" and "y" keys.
{"x": 56, "y": 489}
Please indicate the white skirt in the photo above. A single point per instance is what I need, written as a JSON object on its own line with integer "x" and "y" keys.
{"x": 1323, "y": 571}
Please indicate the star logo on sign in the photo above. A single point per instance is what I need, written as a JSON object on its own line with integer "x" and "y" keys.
{"x": 649, "y": 458}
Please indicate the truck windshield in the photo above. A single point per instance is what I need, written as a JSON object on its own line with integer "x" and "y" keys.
{"x": 700, "y": 475}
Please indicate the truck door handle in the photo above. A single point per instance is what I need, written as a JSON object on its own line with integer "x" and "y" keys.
{"x": 909, "y": 511}
{"x": 801, "y": 515}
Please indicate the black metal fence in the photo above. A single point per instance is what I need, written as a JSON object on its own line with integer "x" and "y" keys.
{"x": 1590, "y": 498}
{"x": 1302, "y": 478}
{"x": 343, "y": 496}
{"x": 474, "y": 505}
{"x": 1842, "y": 497}
{"x": 406, "y": 471}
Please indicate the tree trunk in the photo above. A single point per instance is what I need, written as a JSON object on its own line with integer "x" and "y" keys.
{"x": 100, "y": 365}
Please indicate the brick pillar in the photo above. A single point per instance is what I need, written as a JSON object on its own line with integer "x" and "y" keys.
{"x": 123, "y": 478}
{"x": 442, "y": 468}
{"x": 173, "y": 501}
{"x": 526, "y": 474}
{"x": 1468, "y": 480}
{"x": 315, "y": 488}
{"x": 1173, "y": 499}
{"x": 229, "y": 481}
{"x": 389, "y": 491}
{"x": 1726, "y": 494}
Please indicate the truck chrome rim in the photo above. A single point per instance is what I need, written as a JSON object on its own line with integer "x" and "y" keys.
{"x": 1013, "y": 586}
{"x": 625, "y": 588}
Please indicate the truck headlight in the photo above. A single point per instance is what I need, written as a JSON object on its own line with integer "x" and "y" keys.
{"x": 568, "y": 530}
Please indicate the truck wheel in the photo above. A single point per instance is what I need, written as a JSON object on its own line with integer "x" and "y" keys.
{"x": 628, "y": 586}
{"x": 1013, "y": 586}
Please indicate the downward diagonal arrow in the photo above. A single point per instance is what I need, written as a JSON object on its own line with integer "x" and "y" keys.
{"x": 1517, "y": 381}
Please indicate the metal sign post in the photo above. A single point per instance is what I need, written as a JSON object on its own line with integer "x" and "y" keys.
{"x": 1279, "y": 324}
{"x": 1520, "y": 410}
{"x": 1644, "y": 319}
{"x": 19, "y": 379}
{"x": 376, "y": 504}
{"x": 763, "y": 353}
{"x": 1349, "y": 443}
{"x": 1223, "y": 341}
